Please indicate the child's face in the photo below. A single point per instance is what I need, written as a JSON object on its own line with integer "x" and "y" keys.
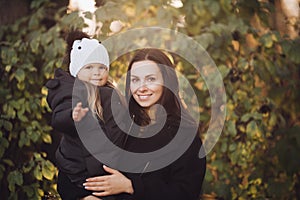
{"x": 94, "y": 73}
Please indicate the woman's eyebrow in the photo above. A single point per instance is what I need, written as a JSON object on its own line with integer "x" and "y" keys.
{"x": 134, "y": 76}
{"x": 145, "y": 76}
{"x": 151, "y": 75}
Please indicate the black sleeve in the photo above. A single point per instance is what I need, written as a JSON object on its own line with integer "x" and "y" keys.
{"x": 59, "y": 98}
{"x": 62, "y": 114}
{"x": 184, "y": 180}
{"x": 62, "y": 120}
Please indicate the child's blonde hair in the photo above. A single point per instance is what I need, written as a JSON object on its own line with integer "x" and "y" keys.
{"x": 94, "y": 99}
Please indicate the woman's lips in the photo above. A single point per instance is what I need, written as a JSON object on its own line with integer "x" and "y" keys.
{"x": 144, "y": 96}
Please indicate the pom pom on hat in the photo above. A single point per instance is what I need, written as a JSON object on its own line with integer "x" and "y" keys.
{"x": 87, "y": 51}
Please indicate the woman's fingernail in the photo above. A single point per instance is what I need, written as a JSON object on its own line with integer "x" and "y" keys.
{"x": 84, "y": 184}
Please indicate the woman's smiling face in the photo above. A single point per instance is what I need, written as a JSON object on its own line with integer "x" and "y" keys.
{"x": 146, "y": 83}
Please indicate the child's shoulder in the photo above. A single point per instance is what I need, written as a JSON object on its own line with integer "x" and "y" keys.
{"x": 107, "y": 91}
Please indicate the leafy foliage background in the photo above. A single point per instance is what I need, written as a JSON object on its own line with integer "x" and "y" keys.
{"x": 257, "y": 155}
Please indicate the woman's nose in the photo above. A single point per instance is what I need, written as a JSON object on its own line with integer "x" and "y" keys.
{"x": 143, "y": 87}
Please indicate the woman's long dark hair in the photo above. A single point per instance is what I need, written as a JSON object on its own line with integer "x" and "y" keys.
{"x": 170, "y": 99}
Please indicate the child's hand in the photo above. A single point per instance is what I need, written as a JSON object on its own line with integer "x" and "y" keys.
{"x": 79, "y": 112}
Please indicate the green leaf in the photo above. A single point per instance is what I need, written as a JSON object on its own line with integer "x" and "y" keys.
{"x": 214, "y": 7}
{"x": 251, "y": 129}
{"x": 22, "y": 117}
{"x": 47, "y": 138}
{"x": 267, "y": 40}
{"x": 21, "y": 86}
{"x": 8, "y": 162}
{"x": 24, "y": 140}
{"x": 38, "y": 173}
{"x": 208, "y": 176}
{"x": 286, "y": 45}
{"x": 224, "y": 70}
{"x": 47, "y": 173}
{"x": 20, "y": 75}
{"x": 226, "y": 6}
{"x": 219, "y": 28}
{"x": 294, "y": 52}
{"x": 48, "y": 170}
{"x": 231, "y": 128}
{"x": 35, "y": 136}
{"x": 37, "y": 4}
{"x": 205, "y": 39}
{"x": 73, "y": 20}
{"x": 29, "y": 190}
{"x": 246, "y": 117}
{"x": 28, "y": 167}
{"x": 2, "y": 169}
{"x": 218, "y": 164}
{"x": 101, "y": 14}
{"x": 272, "y": 120}
{"x": 34, "y": 44}
{"x": 14, "y": 178}
{"x": 234, "y": 156}
{"x": 243, "y": 63}
{"x": 232, "y": 147}
{"x": 224, "y": 147}
{"x": 7, "y": 125}
{"x": 33, "y": 22}
{"x": 4, "y": 144}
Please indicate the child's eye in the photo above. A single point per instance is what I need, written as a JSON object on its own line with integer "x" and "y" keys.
{"x": 102, "y": 68}
{"x": 88, "y": 67}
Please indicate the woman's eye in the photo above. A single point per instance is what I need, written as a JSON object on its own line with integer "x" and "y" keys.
{"x": 88, "y": 67}
{"x": 134, "y": 80}
{"x": 151, "y": 79}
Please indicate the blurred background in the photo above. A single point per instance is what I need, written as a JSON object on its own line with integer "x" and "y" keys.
{"x": 255, "y": 44}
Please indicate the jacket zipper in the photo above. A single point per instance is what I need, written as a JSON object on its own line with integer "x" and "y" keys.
{"x": 127, "y": 134}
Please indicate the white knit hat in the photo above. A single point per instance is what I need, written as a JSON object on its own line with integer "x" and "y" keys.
{"x": 87, "y": 51}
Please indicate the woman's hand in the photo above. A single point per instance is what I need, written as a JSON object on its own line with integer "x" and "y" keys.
{"x": 115, "y": 183}
{"x": 79, "y": 112}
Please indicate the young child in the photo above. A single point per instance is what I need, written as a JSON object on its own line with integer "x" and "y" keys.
{"x": 89, "y": 63}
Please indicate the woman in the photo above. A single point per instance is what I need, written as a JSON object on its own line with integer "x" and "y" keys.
{"x": 152, "y": 81}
